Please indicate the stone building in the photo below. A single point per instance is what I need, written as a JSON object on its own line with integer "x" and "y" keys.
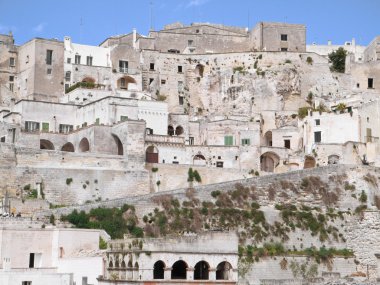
{"x": 190, "y": 259}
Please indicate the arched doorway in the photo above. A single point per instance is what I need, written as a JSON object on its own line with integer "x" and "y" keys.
{"x": 268, "y": 138}
{"x": 199, "y": 159}
{"x": 119, "y": 144}
{"x": 178, "y": 131}
{"x": 151, "y": 154}
{"x": 84, "y": 145}
{"x": 333, "y": 159}
{"x": 309, "y": 162}
{"x": 199, "y": 69}
{"x": 110, "y": 264}
{"x": 159, "y": 270}
{"x": 201, "y": 270}
{"x": 69, "y": 147}
{"x": 46, "y": 144}
{"x": 179, "y": 269}
{"x": 223, "y": 271}
{"x": 123, "y": 82}
{"x": 269, "y": 161}
{"x": 170, "y": 131}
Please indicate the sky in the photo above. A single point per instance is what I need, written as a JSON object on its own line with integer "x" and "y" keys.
{"x": 92, "y": 21}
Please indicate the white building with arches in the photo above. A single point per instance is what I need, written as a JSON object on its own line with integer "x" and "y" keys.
{"x": 190, "y": 259}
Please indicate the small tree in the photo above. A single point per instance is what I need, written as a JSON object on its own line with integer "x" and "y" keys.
{"x": 338, "y": 60}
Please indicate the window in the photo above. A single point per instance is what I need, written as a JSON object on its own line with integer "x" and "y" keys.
{"x": 190, "y": 43}
{"x": 48, "y": 71}
{"x": 317, "y": 137}
{"x": 191, "y": 140}
{"x": 32, "y": 126}
{"x": 31, "y": 260}
{"x": 123, "y": 118}
{"x": 49, "y": 56}
{"x": 284, "y": 37}
{"x": 89, "y": 60}
{"x": 317, "y": 122}
{"x": 163, "y": 81}
{"x": 284, "y": 49}
{"x": 45, "y": 127}
{"x": 69, "y": 60}
{"x": 219, "y": 164}
{"x": 197, "y": 31}
{"x": 123, "y": 66}
{"x": 245, "y": 142}
{"x": 357, "y": 85}
{"x": 370, "y": 83}
{"x": 11, "y": 83}
{"x": 228, "y": 140}
{"x": 97, "y": 121}
{"x": 2, "y": 139}
{"x": 180, "y": 100}
{"x": 68, "y": 75}
{"x": 123, "y": 83}
{"x": 180, "y": 86}
{"x": 77, "y": 59}
{"x": 12, "y": 62}
{"x": 150, "y": 80}
{"x": 65, "y": 129}
{"x": 26, "y": 283}
{"x": 179, "y": 68}
{"x": 287, "y": 144}
{"x": 27, "y": 59}
{"x": 151, "y": 66}
{"x": 67, "y": 86}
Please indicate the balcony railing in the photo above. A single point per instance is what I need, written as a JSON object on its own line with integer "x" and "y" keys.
{"x": 164, "y": 139}
{"x": 127, "y": 70}
{"x": 371, "y": 139}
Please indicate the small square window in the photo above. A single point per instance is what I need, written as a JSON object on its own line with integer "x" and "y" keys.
{"x": 317, "y": 122}
{"x": 284, "y": 49}
{"x": 357, "y": 85}
{"x": 48, "y": 71}
{"x": 219, "y": 157}
{"x": 151, "y": 66}
{"x": 284, "y": 37}
{"x": 179, "y": 68}
{"x": 163, "y": 81}
{"x": 287, "y": 144}
{"x": 190, "y": 43}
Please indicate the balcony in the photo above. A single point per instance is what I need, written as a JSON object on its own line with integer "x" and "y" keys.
{"x": 164, "y": 139}
{"x": 126, "y": 70}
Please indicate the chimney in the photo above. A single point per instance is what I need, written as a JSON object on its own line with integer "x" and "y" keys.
{"x": 329, "y": 43}
{"x": 134, "y": 38}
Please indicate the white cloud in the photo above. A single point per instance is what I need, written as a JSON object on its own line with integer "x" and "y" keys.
{"x": 194, "y": 3}
{"x": 39, "y": 28}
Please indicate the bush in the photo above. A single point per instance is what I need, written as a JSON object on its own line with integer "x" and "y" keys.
{"x": 338, "y": 60}
{"x": 69, "y": 181}
{"x": 52, "y": 219}
{"x": 288, "y": 61}
{"x": 102, "y": 243}
{"x": 215, "y": 193}
{"x": 154, "y": 169}
{"x": 309, "y": 60}
{"x": 363, "y": 197}
{"x": 302, "y": 112}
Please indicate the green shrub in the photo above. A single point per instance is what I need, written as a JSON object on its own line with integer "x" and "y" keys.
{"x": 338, "y": 60}
{"x": 52, "y": 219}
{"x": 363, "y": 197}
{"x": 154, "y": 169}
{"x": 309, "y": 60}
{"x": 102, "y": 243}
{"x": 302, "y": 112}
{"x": 215, "y": 193}
{"x": 69, "y": 181}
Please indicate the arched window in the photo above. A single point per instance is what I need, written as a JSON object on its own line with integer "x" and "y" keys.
{"x": 170, "y": 131}
{"x": 69, "y": 147}
{"x": 179, "y": 131}
{"x": 84, "y": 145}
{"x": 223, "y": 271}
{"x": 136, "y": 265}
{"x": 159, "y": 270}
{"x": 110, "y": 265}
{"x": 269, "y": 161}
{"x": 123, "y": 264}
{"x": 45, "y": 144}
{"x": 309, "y": 162}
{"x": 117, "y": 263}
{"x": 201, "y": 270}
{"x": 179, "y": 269}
